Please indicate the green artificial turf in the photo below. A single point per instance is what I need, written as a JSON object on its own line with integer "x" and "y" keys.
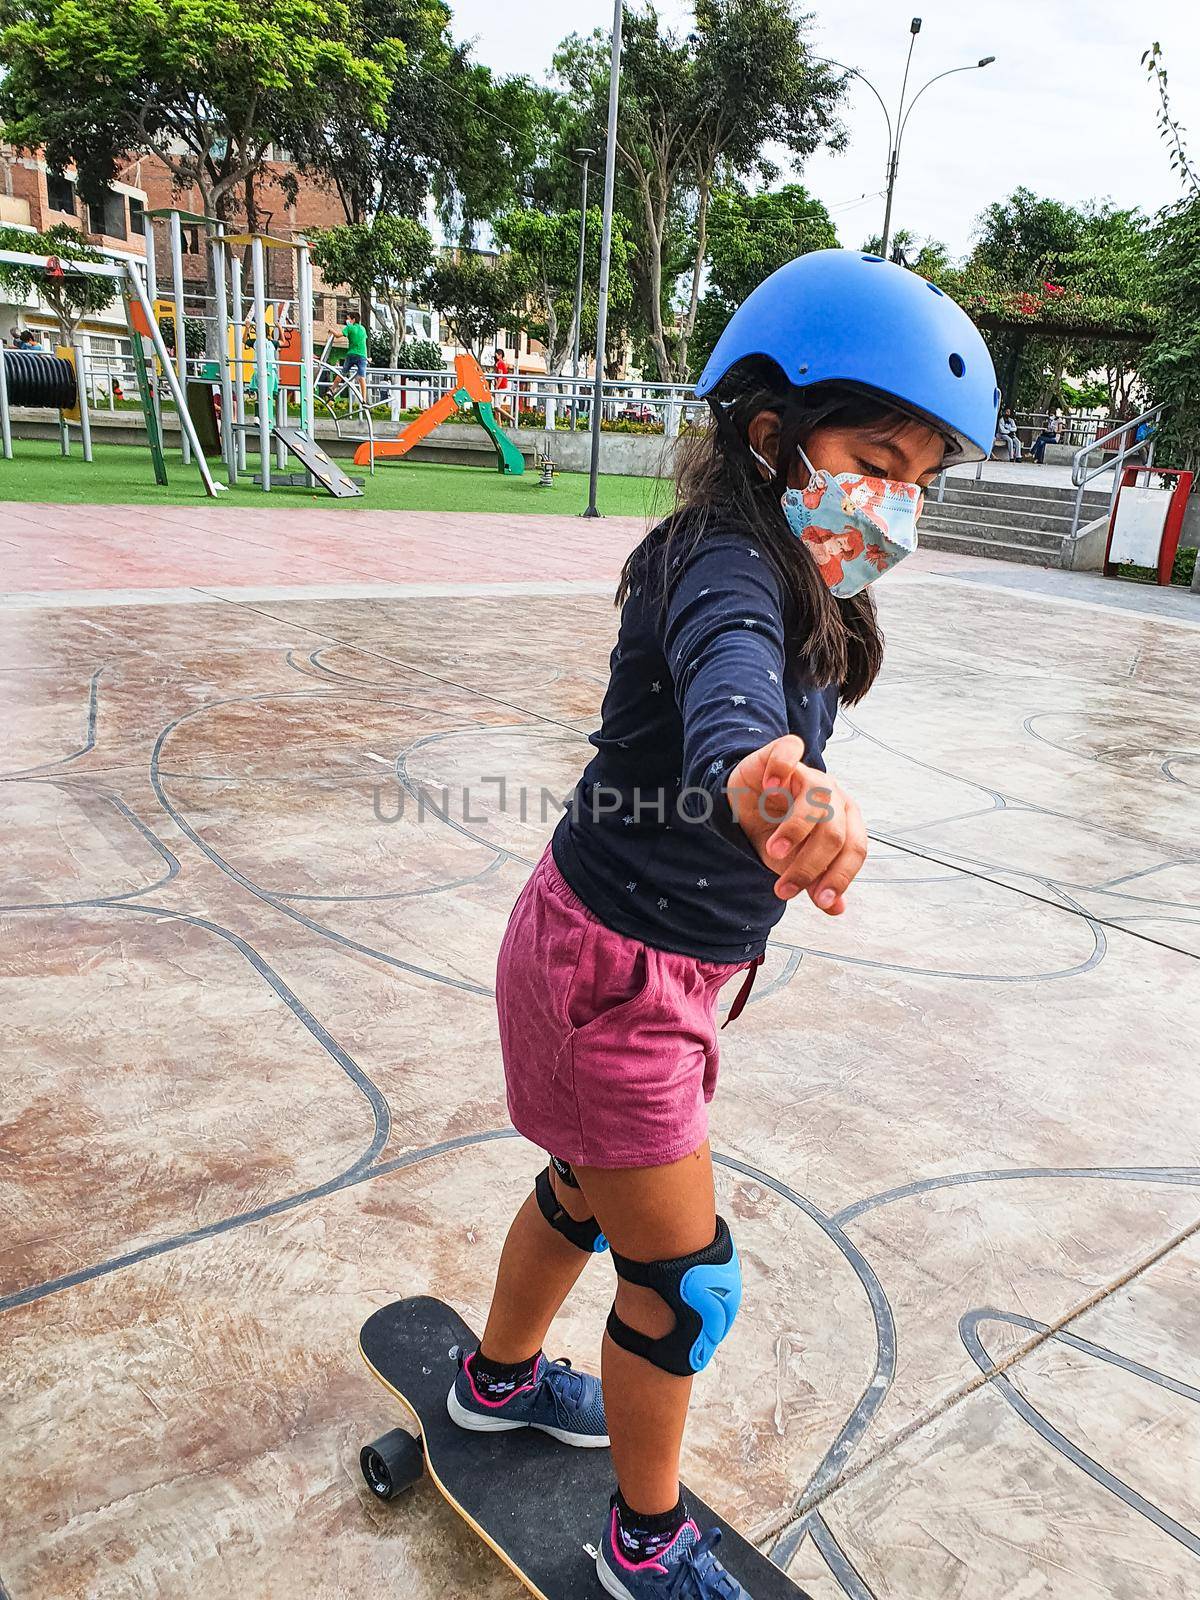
{"x": 122, "y": 475}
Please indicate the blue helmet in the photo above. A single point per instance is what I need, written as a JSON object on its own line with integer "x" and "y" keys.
{"x": 847, "y": 317}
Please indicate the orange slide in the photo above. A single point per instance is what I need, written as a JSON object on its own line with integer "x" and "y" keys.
{"x": 472, "y": 389}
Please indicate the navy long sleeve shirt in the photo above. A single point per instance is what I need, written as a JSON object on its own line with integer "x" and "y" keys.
{"x": 648, "y": 841}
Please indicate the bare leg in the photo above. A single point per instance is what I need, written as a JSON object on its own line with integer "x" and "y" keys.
{"x": 538, "y": 1269}
{"x": 649, "y": 1214}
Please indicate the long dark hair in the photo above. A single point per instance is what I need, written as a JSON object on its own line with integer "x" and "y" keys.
{"x": 717, "y": 480}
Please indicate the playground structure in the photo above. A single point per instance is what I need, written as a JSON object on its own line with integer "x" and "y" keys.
{"x": 221, "y": 402}
{"x": 260, "y": 356}
{"x": 471, "y": 389}
{"x": 36, "y": 379}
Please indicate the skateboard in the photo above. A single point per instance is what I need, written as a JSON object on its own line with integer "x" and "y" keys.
{"x": 538, "y": 1503}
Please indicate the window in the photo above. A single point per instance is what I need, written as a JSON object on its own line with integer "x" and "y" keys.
{"x": 60, "y": 193}
{"x": 108, "y": 217}
{"x": 137, "y": 216}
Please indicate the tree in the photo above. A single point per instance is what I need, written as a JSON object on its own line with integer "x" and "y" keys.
{"x": 1045, "y": 262}
{"x": 749, "y": 237}
{"x": 206, "y": 85}
{"x": 930, "y": 258}
{"x": 1171, "y": 366}
{"x": 474, "y": 296}
{"x": 695, "y": 110}
{"x": 544, "y": 258}
{"x": 380, "y": 260}
{"x": 72, "y": 296}
{"x": 447, "y": 128}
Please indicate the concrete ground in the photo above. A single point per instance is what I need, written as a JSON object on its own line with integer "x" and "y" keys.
{"x": 251, "y": 1086}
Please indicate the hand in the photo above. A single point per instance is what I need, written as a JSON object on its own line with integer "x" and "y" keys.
{"x": 802, "y": 825}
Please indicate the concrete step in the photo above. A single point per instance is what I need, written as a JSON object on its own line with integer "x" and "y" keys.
{"x": 999, "y": 500}
{"x": 995, "y": 533}
{"x": 1013, "y": 516}
{"x": 993, "y": 549}
{"x": 1031, "y": 488}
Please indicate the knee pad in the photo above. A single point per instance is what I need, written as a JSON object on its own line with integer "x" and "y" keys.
{"x": 703, "y": 1290}
{"x": 584, "y": 1235}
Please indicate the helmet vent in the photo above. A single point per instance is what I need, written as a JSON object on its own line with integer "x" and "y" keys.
{"x": 957, "y": 365}
{"x": 872, "y": 258}
{"x": 934, "y": 287}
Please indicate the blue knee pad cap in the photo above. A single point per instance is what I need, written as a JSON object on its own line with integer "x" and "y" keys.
{"x": 704, "y": 1290}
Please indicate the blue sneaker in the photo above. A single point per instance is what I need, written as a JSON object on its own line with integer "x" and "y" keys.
{"x": 686, "y": 1570}
{"x": 567, "y": 1405}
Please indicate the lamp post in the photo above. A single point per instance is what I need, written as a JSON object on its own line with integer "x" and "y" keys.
{"x": 610, "y": 174}
{"x": 902, "y": 114}
{"x": 587, "y": 155}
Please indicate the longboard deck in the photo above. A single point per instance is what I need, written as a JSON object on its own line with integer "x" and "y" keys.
{"x": 539, "y": 1504}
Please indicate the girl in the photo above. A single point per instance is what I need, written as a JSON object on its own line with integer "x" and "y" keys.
{"x": 705, "y": 809}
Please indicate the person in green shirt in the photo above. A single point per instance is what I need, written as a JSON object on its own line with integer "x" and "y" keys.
{"x": 354, "y": 362}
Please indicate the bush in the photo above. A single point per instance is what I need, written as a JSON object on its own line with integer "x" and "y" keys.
{"x": 1181, "y": 573}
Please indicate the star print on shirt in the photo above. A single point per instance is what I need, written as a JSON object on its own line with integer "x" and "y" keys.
{"x": 631, "y": 885}
{"x": 702, "y": 883}
{"x": 753, "y": 552}
{"x": 803, "y": 699}
{"x": 627, "y": 820}
{"x": 753, "y": 730}
{"x": 703, "y": 592}
{"x": 717, "y": 766}
{"x": 737, "y": 699}
{"x": 656, "y": 686}
{"x": 662, "y": 904}
{"x": 774, "y": 676}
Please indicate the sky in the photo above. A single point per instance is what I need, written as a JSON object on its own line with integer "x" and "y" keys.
{"x": 1066, "y": 109}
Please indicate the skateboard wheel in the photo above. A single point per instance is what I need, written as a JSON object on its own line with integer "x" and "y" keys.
{"x": 392, "y": 1464}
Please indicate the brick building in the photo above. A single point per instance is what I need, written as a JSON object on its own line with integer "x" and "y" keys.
{"x": 34, "y": 198}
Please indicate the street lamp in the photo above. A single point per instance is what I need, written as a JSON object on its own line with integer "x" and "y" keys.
{"x": 902, "y": 114}
{"x": 586, "y": 155}
{"x": 610, "y": 173}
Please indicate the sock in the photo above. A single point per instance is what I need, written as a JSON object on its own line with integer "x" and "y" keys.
{"x": 497, "y": 1380}
{"x": 641, "y": 1537}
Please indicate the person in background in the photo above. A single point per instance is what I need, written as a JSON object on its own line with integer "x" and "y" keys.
{"x": 1008, "y": 428}
{"x": 500, "y": 388}
{"x": 354, "y": 362}
{"x": 1048, "y": 435}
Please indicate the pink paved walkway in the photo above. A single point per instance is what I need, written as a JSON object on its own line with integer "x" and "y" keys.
{"x": 56, "y": 547}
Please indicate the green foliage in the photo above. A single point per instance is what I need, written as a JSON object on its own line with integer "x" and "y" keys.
{"x": 205, "y": 84}
{"x": 381, "y": 257}
{"x": 1170, "y": 130}
{"x": 698, "y": 110}
{"x": 70, "y": 297}
{"x": 544, "y": 258}
{"x": 412, "y": 355}
{"x": 1090, "y": 395}
{"x": 1059, "y": 289}
{"x": 448, "y": 127}
{"x": 931, "y": 258}
{"x": 379, "y": 260}
{"x": 749, "y": 237}
{"x": 194, "y": 334}
{"x": 474, "y": 296}
{"x": 1170, "y": 367}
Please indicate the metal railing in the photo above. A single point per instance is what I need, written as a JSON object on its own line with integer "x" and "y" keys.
{"x": 1082, "y": 473}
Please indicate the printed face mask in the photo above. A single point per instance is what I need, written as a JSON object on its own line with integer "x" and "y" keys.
{"x": 855, "y": 528}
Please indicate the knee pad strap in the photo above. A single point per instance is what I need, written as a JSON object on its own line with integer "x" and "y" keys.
{"x": 703, "y": 1290}
{"x": 584, "y": 1235}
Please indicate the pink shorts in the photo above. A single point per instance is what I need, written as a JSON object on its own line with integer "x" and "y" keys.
{"x": 610, "y": 1046}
